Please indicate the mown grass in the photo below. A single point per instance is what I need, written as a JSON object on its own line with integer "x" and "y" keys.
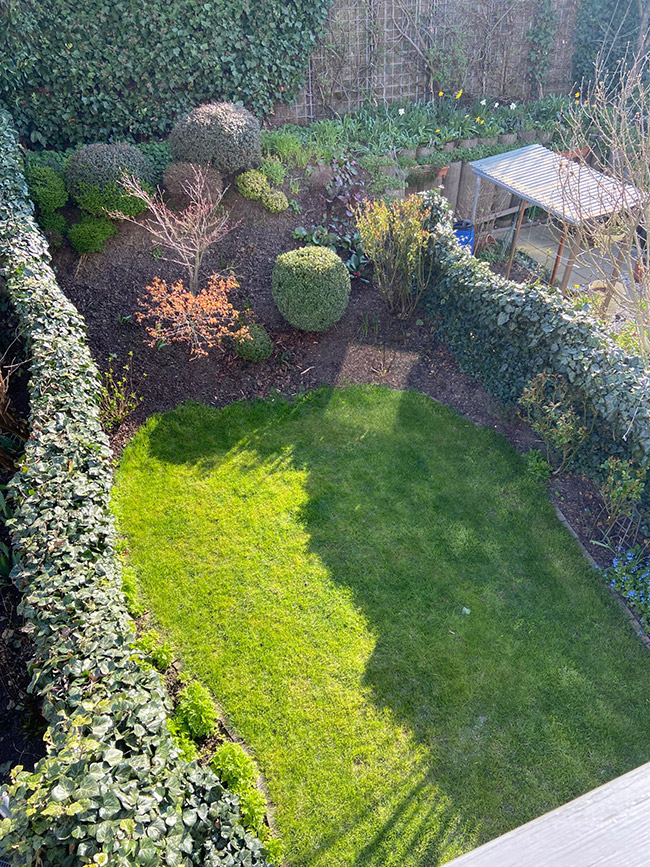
{"x": 311, "y": 563}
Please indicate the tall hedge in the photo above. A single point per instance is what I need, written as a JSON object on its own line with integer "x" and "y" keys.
{"x": 112, "y": 788}
{"x": 102, "y": 70}
{"x": 504, "y": 334}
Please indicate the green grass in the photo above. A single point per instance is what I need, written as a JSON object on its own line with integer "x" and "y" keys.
{"x": 310, "y": 562}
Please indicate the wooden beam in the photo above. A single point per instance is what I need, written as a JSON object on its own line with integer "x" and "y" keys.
{"x": 520, "y": 217}
{"x": 608, "y": 827}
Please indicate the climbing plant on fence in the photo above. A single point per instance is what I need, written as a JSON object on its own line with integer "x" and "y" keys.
{"x": 112, "y": 788}
{"x": 74, "y": 72}
{"x": 605, "y": 26}
{"x": 505, "y": 334}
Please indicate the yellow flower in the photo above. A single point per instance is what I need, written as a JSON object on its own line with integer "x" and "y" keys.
{"x": 478, "y": 119}
{"x": 482, "y": 121}
{"x": 437, "y": 130}
{"x": 575, "y": 286}
{"x": 577, "y": 94}
{"x": 459, "y": 94}
{"x": 440, "y": 93}
{"x": 576, "y": 102}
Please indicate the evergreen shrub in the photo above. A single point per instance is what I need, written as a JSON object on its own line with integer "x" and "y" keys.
{"x": 311, "y": 287}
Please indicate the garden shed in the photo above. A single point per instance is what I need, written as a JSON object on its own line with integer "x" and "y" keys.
{"x": 568, "y": 190}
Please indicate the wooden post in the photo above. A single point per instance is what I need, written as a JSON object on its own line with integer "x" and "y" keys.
{"x": 558, "y": 258}
{"x": 520, "y": 217}
{"x": 569, "y": 265}
{"x": 476, "y": 192}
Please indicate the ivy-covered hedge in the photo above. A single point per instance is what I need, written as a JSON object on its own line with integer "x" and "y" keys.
{"x": 112, "y": 788}
{"x": 105, "y": 70}
{"x": 504, "y": 334}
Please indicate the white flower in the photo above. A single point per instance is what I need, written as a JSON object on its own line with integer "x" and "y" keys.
{"x": 496, "y": 104}
{"x": 400, "y": 111}
{"x": 483, "y": 101}
{"x": 513, "y": 106}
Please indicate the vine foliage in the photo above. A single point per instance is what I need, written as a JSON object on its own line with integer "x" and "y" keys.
{"x": 75, "y": 72}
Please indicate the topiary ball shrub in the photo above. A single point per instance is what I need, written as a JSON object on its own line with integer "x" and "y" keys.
{"x": 177, "y": 176}
{"x": 252, "y": 185}
{"x": 90, "y": 234}
{"x": 46, "y": 189}
{"x": 257, "y": 346}
{"x": 225, "y": 135}
{"x": 103, "y": 165}
{"x": 311, "y": 287}
{"x": 275, "y": 201}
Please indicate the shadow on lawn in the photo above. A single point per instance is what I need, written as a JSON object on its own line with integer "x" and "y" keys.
{"x": 471, "y": 588}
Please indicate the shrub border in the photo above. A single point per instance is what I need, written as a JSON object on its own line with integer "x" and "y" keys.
{"x": 112, "y": 788}
{"x": 504, "y": 334}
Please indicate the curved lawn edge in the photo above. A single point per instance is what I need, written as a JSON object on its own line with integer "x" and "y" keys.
{"x": 112, "y": 788}
{"x": 188, "y": 454}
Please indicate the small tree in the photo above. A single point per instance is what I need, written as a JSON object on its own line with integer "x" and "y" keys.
{"x": 608, "y": 130}
{"x": 202, "y": 319}
{"x": 187, "y": 235}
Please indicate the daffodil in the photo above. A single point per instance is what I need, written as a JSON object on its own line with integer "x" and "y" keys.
{"x": 459, "y": 94}
{"x": 400, "y": 111}
{"x": 437, "y": 130}
{"x": 483, "y": 101}
{"x": 478, "y": 120}
{"x": 440, "y": 93}
{"x": 496, "y": 104}
{"x": 577, "y": 94}
{"x": 513, "y": 106}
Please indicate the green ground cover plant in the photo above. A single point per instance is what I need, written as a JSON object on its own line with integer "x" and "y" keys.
{"x": 382, "y": 600}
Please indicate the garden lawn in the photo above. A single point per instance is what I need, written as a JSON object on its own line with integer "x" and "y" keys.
{"x": 389, "y": 613}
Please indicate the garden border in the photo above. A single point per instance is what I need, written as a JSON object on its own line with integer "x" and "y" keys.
{"x": 504, "y": 334}
{"x": 112, "y": 788}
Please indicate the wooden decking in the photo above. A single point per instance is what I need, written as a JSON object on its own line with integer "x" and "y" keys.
{"x": 608, "y": 827}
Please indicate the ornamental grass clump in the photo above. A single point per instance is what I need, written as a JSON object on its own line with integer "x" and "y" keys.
{"x": 311, "y": 287}
{"x": 220, "y": 134}
{"x": 395, "y": 239}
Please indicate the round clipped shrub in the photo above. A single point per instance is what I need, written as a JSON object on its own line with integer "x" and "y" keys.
{"x": 256, "y": 346}
{"x": 103, "y": 165}
{"x": 311, "y": 287}
{"x": 252, "y": 184}
{"x": 53, "y": 223}
{"x": 46, "y": 189}
{"x": 223, "y": 134}
{"x": 177, "y": 176}
{"x": 275, "y": 201}
{"x": 90, "y": 234}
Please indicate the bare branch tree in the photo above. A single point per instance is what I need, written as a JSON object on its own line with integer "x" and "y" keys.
{"x": 187, "y": 235}
{"x": 608, "y": 131}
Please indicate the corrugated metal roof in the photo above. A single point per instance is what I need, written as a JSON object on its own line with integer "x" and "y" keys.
{"x": 573, "y": 192}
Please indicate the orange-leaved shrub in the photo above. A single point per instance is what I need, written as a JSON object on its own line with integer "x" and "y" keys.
{"x": 202, "y": 319}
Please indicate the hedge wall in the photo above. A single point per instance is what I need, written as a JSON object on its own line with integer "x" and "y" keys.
{"x": 504, "y": 334}
{"x": 99, "y": 70}
{"x": 112, "y": 788}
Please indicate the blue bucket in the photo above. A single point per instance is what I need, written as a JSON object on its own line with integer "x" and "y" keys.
{"x": 464, "y": 232}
